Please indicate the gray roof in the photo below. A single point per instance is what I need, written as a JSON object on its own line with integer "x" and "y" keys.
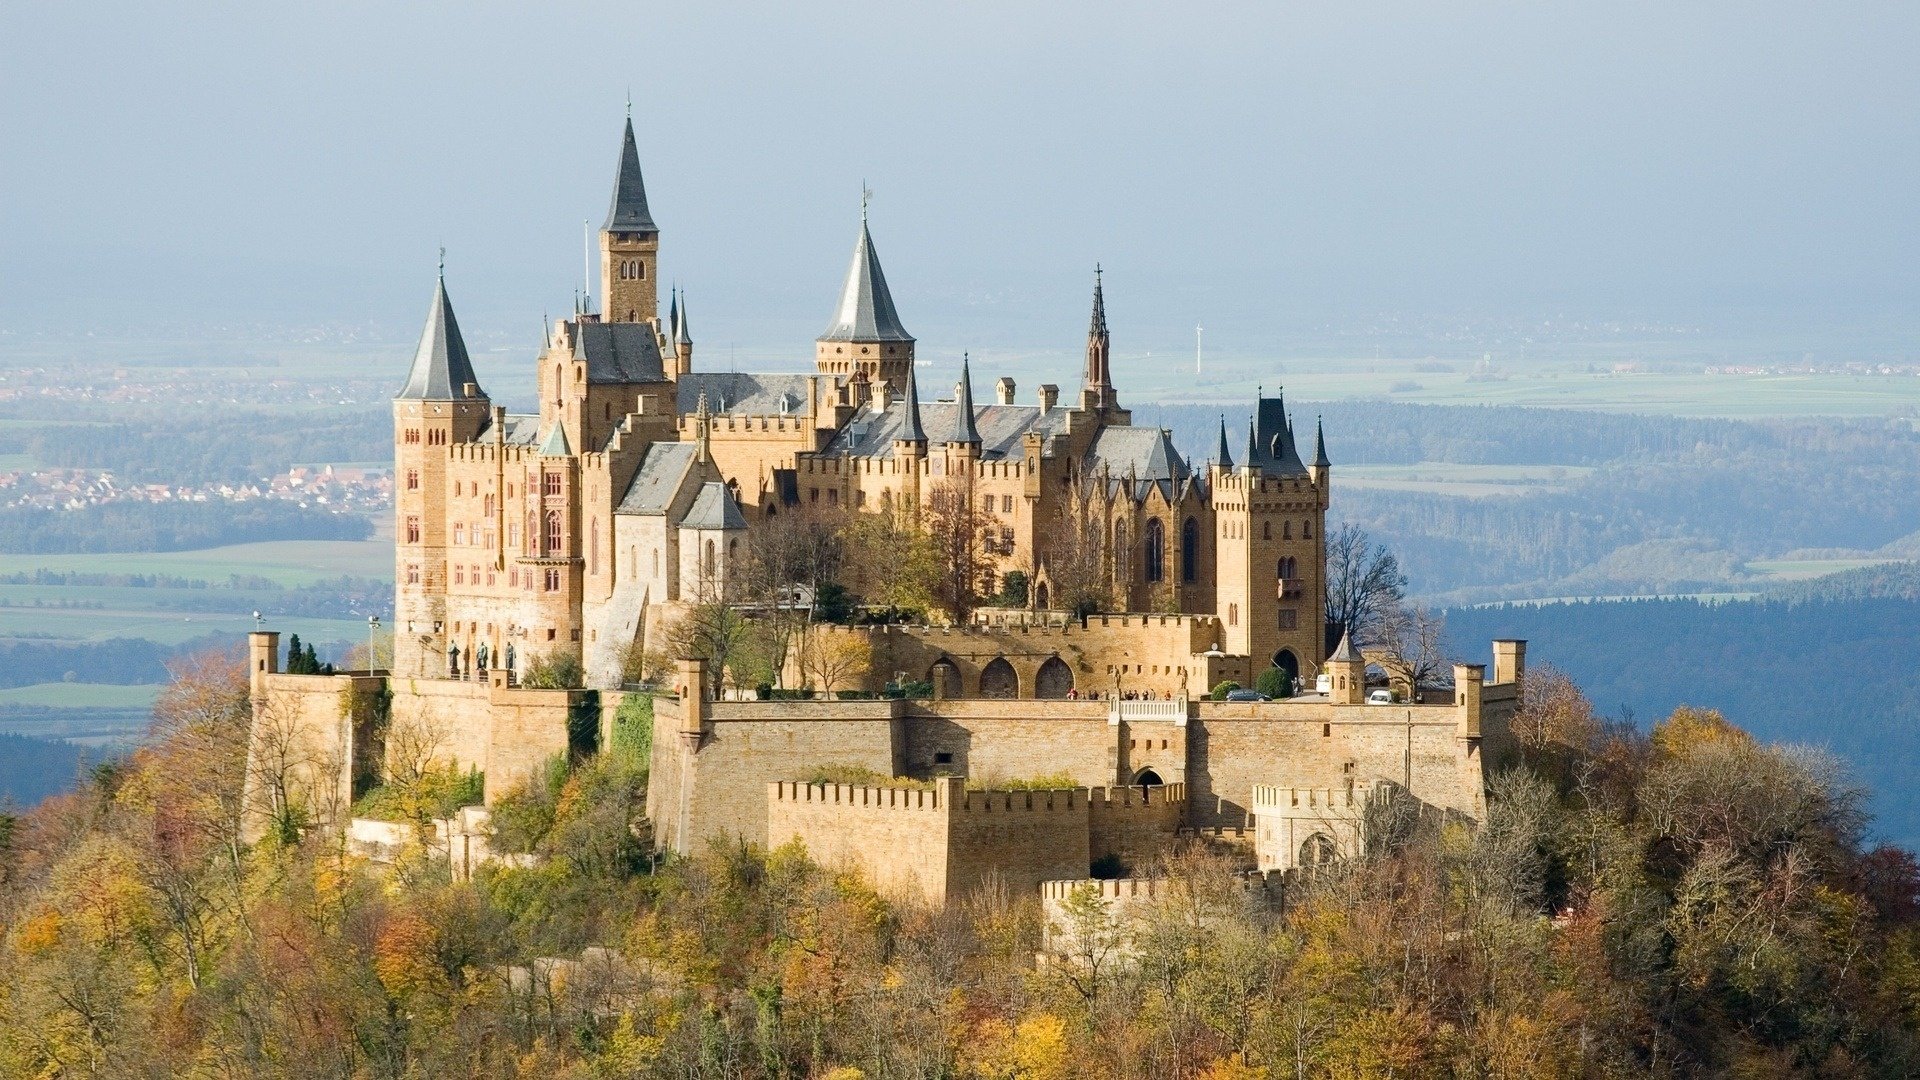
{"x": 628, "y": 213}
{"x": 1221, "y": 455}
{"x": 681, "y": 335}
{"x": 964, "y": 430}
{"x": 1271, "y": 448}
{"x": 520, "y": 431}
{"x": 1142, "y": 453}
{"x": 1320, "y": 444}
{"x": 866, "y": 306}
{"x": 555, "y": 444}
{"x": 1345, "y": 653}
{"x": 751, "y": 393}
{"x": 910, "y": 429}
{"x": 440, "y": 369}
{"x": 659, "y": 478}
{"x": 619, "y": 352}
{"x": 714, "y": 508}
{"x": 1001, "y": 428}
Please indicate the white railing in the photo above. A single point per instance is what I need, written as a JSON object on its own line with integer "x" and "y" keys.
{"x": 1148, "y": 712}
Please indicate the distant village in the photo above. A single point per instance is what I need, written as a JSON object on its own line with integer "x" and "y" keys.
{"x": 339, "y": 488}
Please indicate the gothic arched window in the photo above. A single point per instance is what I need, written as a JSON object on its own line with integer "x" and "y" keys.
{"x": 553, "y": 533}
{"x": 1156, "y": 539}
{"x": 1190, "y": 551}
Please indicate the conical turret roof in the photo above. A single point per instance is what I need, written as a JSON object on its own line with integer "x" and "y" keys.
{"x": 866, "y": 311}
{"x": 681, "y": 334}
{"x": 1221, "y": 456}
{"x": 910, "y": 428}
{"x": 1320, "y": 444}
{"x": 441, "y": 369}
{"x": 629, "y": 210}
{"x": 964, "y": 428}
{"x": 1344, "y": 654}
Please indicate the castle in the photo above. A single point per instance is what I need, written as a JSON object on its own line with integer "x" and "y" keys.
{"x": 637, "y": 491}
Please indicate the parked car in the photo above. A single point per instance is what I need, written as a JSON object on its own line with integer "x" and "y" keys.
{"x": 1380, "y": 697}
{"x": 1247, "y": 695}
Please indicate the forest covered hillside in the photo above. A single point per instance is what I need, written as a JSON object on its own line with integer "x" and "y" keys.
{"x": 1828, "y": 663}
{"x": 1683, "y": 902}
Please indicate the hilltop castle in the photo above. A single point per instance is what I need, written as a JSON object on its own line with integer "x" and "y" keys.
{"x": 636, "y": 490}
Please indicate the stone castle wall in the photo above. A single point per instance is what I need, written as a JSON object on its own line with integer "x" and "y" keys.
{"x": 896, "y": 837}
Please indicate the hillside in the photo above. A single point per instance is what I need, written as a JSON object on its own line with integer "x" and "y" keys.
{"x": 1828, "y": 663}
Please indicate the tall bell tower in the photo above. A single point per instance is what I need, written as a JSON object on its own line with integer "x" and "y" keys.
{"x": 629, "y": 244}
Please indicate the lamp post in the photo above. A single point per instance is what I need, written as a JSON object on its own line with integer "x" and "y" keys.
{"x": 373, "y": 624}
{"x": 256, "y": 621}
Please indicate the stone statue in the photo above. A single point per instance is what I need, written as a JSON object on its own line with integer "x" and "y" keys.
{"x": 480, "y": 658}
{"x": 453, "y": 660}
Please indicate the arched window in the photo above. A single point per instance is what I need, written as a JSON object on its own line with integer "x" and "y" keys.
{"x": 1190, "y": 551}
{"x": 1156, "y": 539}
{"x": 1122, "y": 554}
{"x": 998, "y": 680}
{"x": 1287, "y": 570}
{"x": 487, "y": 506}
{"x": 1054, "y": 680}
{"x": 593, "y": 545}
{"x": 553, "y": 533}
{"x": 707, "y": 564}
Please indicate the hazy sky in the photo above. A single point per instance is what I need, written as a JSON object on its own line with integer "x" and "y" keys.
{"x": 1265, "y": 169}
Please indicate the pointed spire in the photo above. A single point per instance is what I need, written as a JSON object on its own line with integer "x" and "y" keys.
{"x": 1253, "y": 446}
{"x": 441, "y": 369}
{"x": 964, "y": 430}
{"x": 1220, "y": 456}
{"x": 628, "y": 213}
{"x": 1344, "y": 654}
{"x": 702, "y": 428}
{"x": 681, "y": 335}
{"x": 1097, "y": 382}
{"x": 673, "y": 313}
{"x": 1320, "y": 444}
{"x": 866, "y": 311}
{"x": 910, "y": 429}
{"x": 1099, "y": 327}
{"x": 555, "y": 444}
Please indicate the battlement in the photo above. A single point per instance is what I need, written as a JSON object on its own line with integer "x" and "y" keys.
{"x": 1270, "y": 797}
{"x": 1108, "y": 889}
{"x": 856, "y": 796}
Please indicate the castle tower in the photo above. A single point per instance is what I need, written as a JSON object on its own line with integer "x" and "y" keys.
{"x": 866, "y": 335}
{"x": 962, "y": 443}
{"x": 629, "y": 244}
{"x": 440, "y": 406}
{"x": 1271, "y": 515}
{"x": 1096, "y": 389}
{"x": 1347, "y": 672}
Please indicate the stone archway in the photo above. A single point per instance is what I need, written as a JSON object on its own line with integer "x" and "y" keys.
{"x": 1317, "y": 850}
{"x": 1147, "y": 778}
{"x": 998, "y": 680}
{"x": 945, "y": 677}
{"x": 1040, "y": 594}
{"x": 1054, "y": 680}
{"x": 1286, "y": 661}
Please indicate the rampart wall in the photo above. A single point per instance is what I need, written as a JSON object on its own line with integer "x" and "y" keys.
{"x": 1136, "y": 824}
{"x": 897, "y": 837}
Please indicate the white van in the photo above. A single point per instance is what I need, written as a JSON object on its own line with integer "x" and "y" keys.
{"x": 1380, "y": 697}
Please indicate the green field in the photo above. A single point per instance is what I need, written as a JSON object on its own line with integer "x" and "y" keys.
{"x": 289, "y": 562}
{"x": 1803, "y": 569}
{"x": 165, "y": 627}
{"x": 1462, "y": 481}
{"x": 79, "y": 695}
{"x": 1563, "y": 385}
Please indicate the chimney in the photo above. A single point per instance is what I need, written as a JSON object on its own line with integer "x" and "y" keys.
{"x": 882, "y": 395}
{"x": 1004, "y": 391}
{"x": 1049, "y": 396}
{"x": 1509, "y": 660}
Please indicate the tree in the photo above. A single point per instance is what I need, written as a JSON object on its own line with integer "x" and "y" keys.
{"x": 1364, "y": 582}
{"x": 901, "y": 579}
{"x": 296, "y": 659}
{"x": 1075, "y": 554}
{"x": 716, "y": 633}
{"x": 380, "y": 659}
{"x": 837, "y": 656}
{"x": 958, "y": 528}
{"x": 1412, "y": 638}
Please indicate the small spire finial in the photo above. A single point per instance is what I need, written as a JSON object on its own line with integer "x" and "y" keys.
{"x": 443, "y": 262}
{"x": 629, "y": 102}
{"x": 866, "y": 196}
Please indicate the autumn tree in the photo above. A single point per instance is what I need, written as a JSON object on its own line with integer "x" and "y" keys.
{"x": 1076, "y": 555}
{"x": 834, "y": 657}
{"x": 957, "y": 527}
{"x": 1364, "y": 583}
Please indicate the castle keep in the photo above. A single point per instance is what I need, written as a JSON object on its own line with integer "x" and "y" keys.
{"x": 636, "y": 492}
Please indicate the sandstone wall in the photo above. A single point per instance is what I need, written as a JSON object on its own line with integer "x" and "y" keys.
{"x": 992, "y": 741}
{"x": 1016, "y": 838}
{"x": 1138, "y": 824}
{"x": 896, "y": 837}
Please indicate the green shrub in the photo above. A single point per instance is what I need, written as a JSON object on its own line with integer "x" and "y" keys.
{"x": 436, "y": 793}
{"x": 1222, "y": 689}
{"x": 522, "y": 817}
{"x": 556, "y": 670}
{"x": 1274, "y": 683}
{"x": 1013, "y": 590}
{"x": 861, "y": 776}
{"x": 633, "y": 730}
{"x": 1050, "y": 782}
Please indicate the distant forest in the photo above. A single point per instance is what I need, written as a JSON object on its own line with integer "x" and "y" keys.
{"x": 197, "y": 446}
{"x": 1674, "y": 504}
{"x": 32, "y": 769}
{"x": 175, "y": 526}
{"x": 1833, "y": 672}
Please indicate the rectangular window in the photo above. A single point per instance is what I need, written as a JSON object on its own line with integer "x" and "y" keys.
{"x": 550, "y": 633}
{"x": 553, "y": 483}
{"x": 489, "y": 577}
{"x": 489, "y": 540}
{"x": 943, "y": 759}
{"x": 413, "y": 573}
{"x": 553, "y": 579}
{"x": 1006, "y": 504}
{"x": 833, "y": 496}
{"x": 413, "y": 529}
{"x": 459, "y": 534}
{"x": 513, "y": 578}
{"x": 1289, "y": 619}
{"x": 413, "y": 479}
{"x": 459, "y": 574}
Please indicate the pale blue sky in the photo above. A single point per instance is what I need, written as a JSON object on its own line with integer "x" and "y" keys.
{"x": 1269, "y": 169}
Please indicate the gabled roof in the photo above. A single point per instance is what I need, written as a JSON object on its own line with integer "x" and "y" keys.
{"x": 1145, "y": 453}
{"x": 866, "y": 310}
{"x": 618, "y": 352}
{"x": 746, "y": 392}
{"x": 628, "y": 213}
{"x": 1001, "y": 428}
{"x": 964, "y": 430}
{"x": 441, "y": 369}
{"x": 714, "y": 508}
{"x": 660, "y": 478}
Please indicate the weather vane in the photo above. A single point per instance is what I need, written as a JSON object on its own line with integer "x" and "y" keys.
{"x": 866, "y": 195}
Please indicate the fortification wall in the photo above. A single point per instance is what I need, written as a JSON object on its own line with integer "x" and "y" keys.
{"x": 302, "y": 746}
{"x": 994, "y": 741}
{"x": 1137, "y": 824}
{"x": 896, "y": 837}
{"x": 1016, "y": 838}
{"x": 507, "y": 734}
{"x": 1287, "y": 819}
{"x": 1235, "y": 746}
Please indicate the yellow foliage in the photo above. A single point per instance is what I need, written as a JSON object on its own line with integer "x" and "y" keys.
{"x": 403, "y": 956}
{"x": 40, "y": 933}
{"x": 629, "y": 1053}
{"x": 1689, "y": 729}
{"x": 1234, "y": 1069}
{"x": 1036, "y": 1050}
{"x": 844, "y": 1072}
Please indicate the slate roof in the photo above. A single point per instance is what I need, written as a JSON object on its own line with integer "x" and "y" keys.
{"x": 1270, "y": 445}
{"x": 910, "y": 429}
{"x": 1221, "y": 454}
{"x": 659, "y": 478}
{"x": 681, "y": 335}
{"x": 964, "y": 430}
{"x": 618, "y": 352}
{"x": 866, "y": 311}
{"x": 628, "y": 212}
{"x": 521, "y": 431}
{"x": 714, "y": 508}
{"x": 1320, "y": 444}
{"x": 1144, "y": 453}
{"x": 1001, "y": 428}
{"x": 441, "y": 369}
{"x": 1345, "y": 653}
{"x": 751, "y": 393}
{"x": 555, "y": 444}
